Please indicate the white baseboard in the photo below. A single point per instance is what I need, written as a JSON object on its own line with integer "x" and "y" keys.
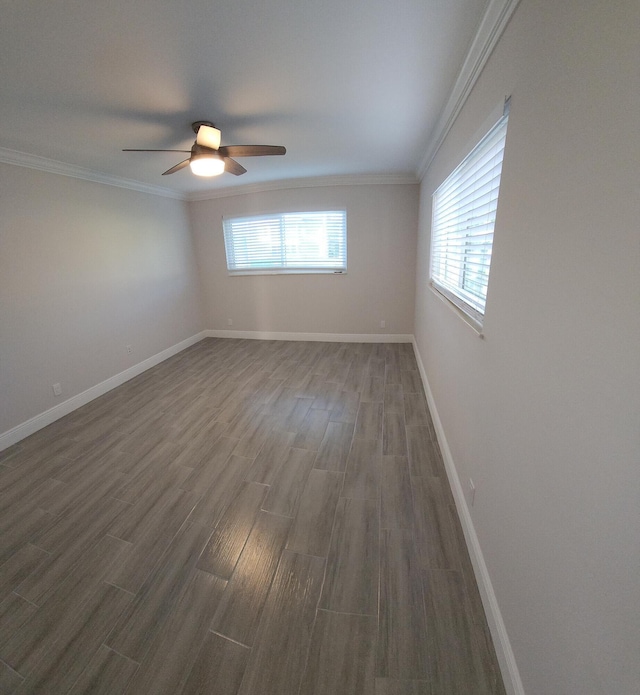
{"x": 314, "y": 337}
{"x": 36, "y": 423}
{"x": 504, "y": 652}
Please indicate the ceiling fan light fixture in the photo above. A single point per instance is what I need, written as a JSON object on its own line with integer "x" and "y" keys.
{"x": 209, "y": 159}
{"x": 206, "y": 165}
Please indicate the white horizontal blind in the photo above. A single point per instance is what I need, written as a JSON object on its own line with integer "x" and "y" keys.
{"x": 287, "y": 242}
{"x": 464, "y": 214}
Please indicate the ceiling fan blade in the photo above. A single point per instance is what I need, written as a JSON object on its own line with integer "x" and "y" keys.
{"x": 177, "y": 167}
{"x": 251, "y": 150}
{"x": 208, "y": 136}
{"x": 233, "y": 167}
{"x": 130, "y": 150}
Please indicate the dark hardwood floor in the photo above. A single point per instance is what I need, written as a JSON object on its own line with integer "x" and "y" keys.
{"x": 251, "y": 517}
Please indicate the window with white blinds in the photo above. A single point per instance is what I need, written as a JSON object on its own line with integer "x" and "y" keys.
{"x": 464, "y": 214}
{"x": 290, "y": 242}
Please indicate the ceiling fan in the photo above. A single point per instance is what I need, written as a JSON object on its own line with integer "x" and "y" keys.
{"x": 208, "y": 158}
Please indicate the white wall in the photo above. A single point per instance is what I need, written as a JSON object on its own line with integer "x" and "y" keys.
{"x": 544, "y": 414}
{"x": 86, "y": 269}
{"x": 379, "y": 285}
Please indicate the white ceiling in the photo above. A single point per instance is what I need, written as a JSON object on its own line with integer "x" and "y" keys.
{"x": 350, "y": 87}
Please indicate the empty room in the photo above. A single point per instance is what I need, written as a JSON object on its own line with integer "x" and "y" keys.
{"x": 320, "y": 347}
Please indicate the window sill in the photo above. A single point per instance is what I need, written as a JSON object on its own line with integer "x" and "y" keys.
{"x": 475, "y": 325}
{"x": 287, "y": 272}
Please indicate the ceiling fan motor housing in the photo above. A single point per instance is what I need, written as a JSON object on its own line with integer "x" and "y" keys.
{"x": 196, "y": 125}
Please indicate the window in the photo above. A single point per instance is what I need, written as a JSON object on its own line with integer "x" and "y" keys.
{"x": 291, "y": 242}
{"x": 464, "y": 214}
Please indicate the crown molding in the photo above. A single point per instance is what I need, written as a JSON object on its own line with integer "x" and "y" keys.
{"x": 308, "y": 182}
{"x": 52, "y": 166}
{"x": 494, "y": 22}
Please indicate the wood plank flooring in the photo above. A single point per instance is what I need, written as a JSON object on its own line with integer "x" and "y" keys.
{"x": 246, "y": 518}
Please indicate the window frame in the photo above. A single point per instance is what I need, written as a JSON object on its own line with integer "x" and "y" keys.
{"x": 458, "y": 293}
{"x": 305, "y": 267}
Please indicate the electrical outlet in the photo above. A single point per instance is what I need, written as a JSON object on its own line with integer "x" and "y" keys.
{"x": 383, "y": 324}
{"x": 472, "y": 492}
{"x": 57, "y": 389}
{"x": 129, "y": 349}
{"x": 229, "y": 322}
